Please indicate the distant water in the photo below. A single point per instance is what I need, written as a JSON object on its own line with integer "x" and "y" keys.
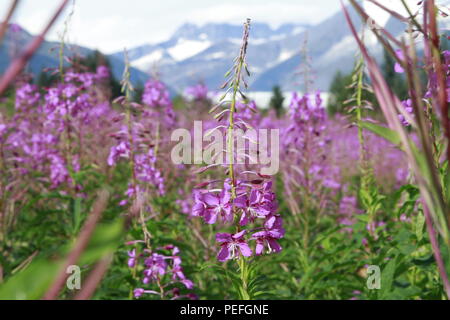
{"x": 262, "y": 98}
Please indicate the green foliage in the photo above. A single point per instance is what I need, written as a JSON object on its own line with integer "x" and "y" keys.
{"x": 339, "y": 93}
{"x": 35, "y": 279}
{"x": 96, "y": 59}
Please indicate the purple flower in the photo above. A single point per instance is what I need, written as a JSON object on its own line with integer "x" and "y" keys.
{"x": 198, "y": 92}
{"x": 132, "y": 258}
{"x": 27, "y": 96}
{"x": 407, "y": 105}
{"x": 146, "y": 171}
{"x": 232, "y": 245}
{"x": 215, "y": 205}
{"x": 165, "y": 269}
{"x": 188, "y": 284}
{"x": 102, "y": 72}
{"x": 260, "y": 204}
{"x": 255, "y": 207}
{"x": 398, "y": 67}
{"x": 156, "y": 267}
{"x": 273, "y": 231}
{"x": 58, "y": 171}
{"x": 155, "y": 94}
{"x": 122, "y": 150}
{"x": 138, "y": 292}
{"x": 3, "y": 129}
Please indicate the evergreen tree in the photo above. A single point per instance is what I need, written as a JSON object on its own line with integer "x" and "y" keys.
{"x": 46, "y": 79}
{"x": 277, "y": 100}
{"x": 339, "y": 93}
{"x": 96, "y": 59}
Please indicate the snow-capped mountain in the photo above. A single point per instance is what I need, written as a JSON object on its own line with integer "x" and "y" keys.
{"x": 205, "y": 53}
{"x": 47, "y": 56}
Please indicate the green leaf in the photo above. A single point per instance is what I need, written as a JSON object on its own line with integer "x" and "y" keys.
{"x": 420, "y": 223}
{"x": 77, "y": 216}
{"x": 34, "y": 281}
{"x": 384, "y": 132}
{"x": 31, "y": 283}
{"x": 387, "y": 278}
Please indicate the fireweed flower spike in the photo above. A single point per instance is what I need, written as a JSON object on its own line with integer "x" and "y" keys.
{"x": 160, "y": 270}
{"x": 245, "y": 199}
{"x": 134, "y": 140}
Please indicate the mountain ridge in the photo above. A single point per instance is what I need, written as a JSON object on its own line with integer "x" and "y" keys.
{"x": 204, "y": 53}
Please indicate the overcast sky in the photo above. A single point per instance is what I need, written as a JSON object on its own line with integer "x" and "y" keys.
{"x": 111, "y": 25}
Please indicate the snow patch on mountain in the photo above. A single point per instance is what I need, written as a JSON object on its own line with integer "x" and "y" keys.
{"x": 146, "y": 61}
{"x": 285, "y": 55}
{"x": 215, "y": 56}
{"x": 343, "y": 48}
{"x": 185, "y": 49}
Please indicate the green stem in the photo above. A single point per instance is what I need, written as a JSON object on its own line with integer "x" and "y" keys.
{"x": 243, "y": 268}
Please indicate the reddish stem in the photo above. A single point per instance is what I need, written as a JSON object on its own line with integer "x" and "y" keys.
{"x": 4, "y": 25}
{"x": 80, "y": 245}
{"x": 436, "y": 250}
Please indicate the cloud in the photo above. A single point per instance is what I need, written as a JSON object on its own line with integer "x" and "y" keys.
{"x": 111, "y": 25}
{"x": 272, "y": 12}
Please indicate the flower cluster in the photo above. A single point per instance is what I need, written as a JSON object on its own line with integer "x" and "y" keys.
{"x": 197, "y": 92}
{"x": 48, "y": 131}
{"x": 248, "y": 205}
{"x": 144, "y": 169}
{"x": 163, "y": 270}
{"x": 306, "y": 142}
{"x": 253, "y": 203}
{"x": 135, "y": 142}
{"x": 157, "y": 97}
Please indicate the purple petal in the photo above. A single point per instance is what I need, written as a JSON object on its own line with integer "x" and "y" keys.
{"x": 188, "y": 283}
{"x": 223, "y": 237}
{"x": 210, "y": 216}
{"x": 211, "y": 199}
{"x": 198, "y": 209}
{"x": 138, "y": 292}
{"x": 239, "y": 235}
{"x": 398, "y": 68}
{"x": 253, "y": 196}
{"x": 245, "y": 249}
{"x": 274, "y": 245}
{"x": 224, "y": 254}
{"x": 244, "y": 219}
{"x": 260, "y": 234}
{"x": 270, "y": 222}
{"x": 259, "y": 248}
{"x": 241, "y": 201}
{"x": 225, "y": 197}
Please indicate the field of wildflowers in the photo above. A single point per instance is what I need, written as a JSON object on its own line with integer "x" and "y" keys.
{"x": 95, "y": 205}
